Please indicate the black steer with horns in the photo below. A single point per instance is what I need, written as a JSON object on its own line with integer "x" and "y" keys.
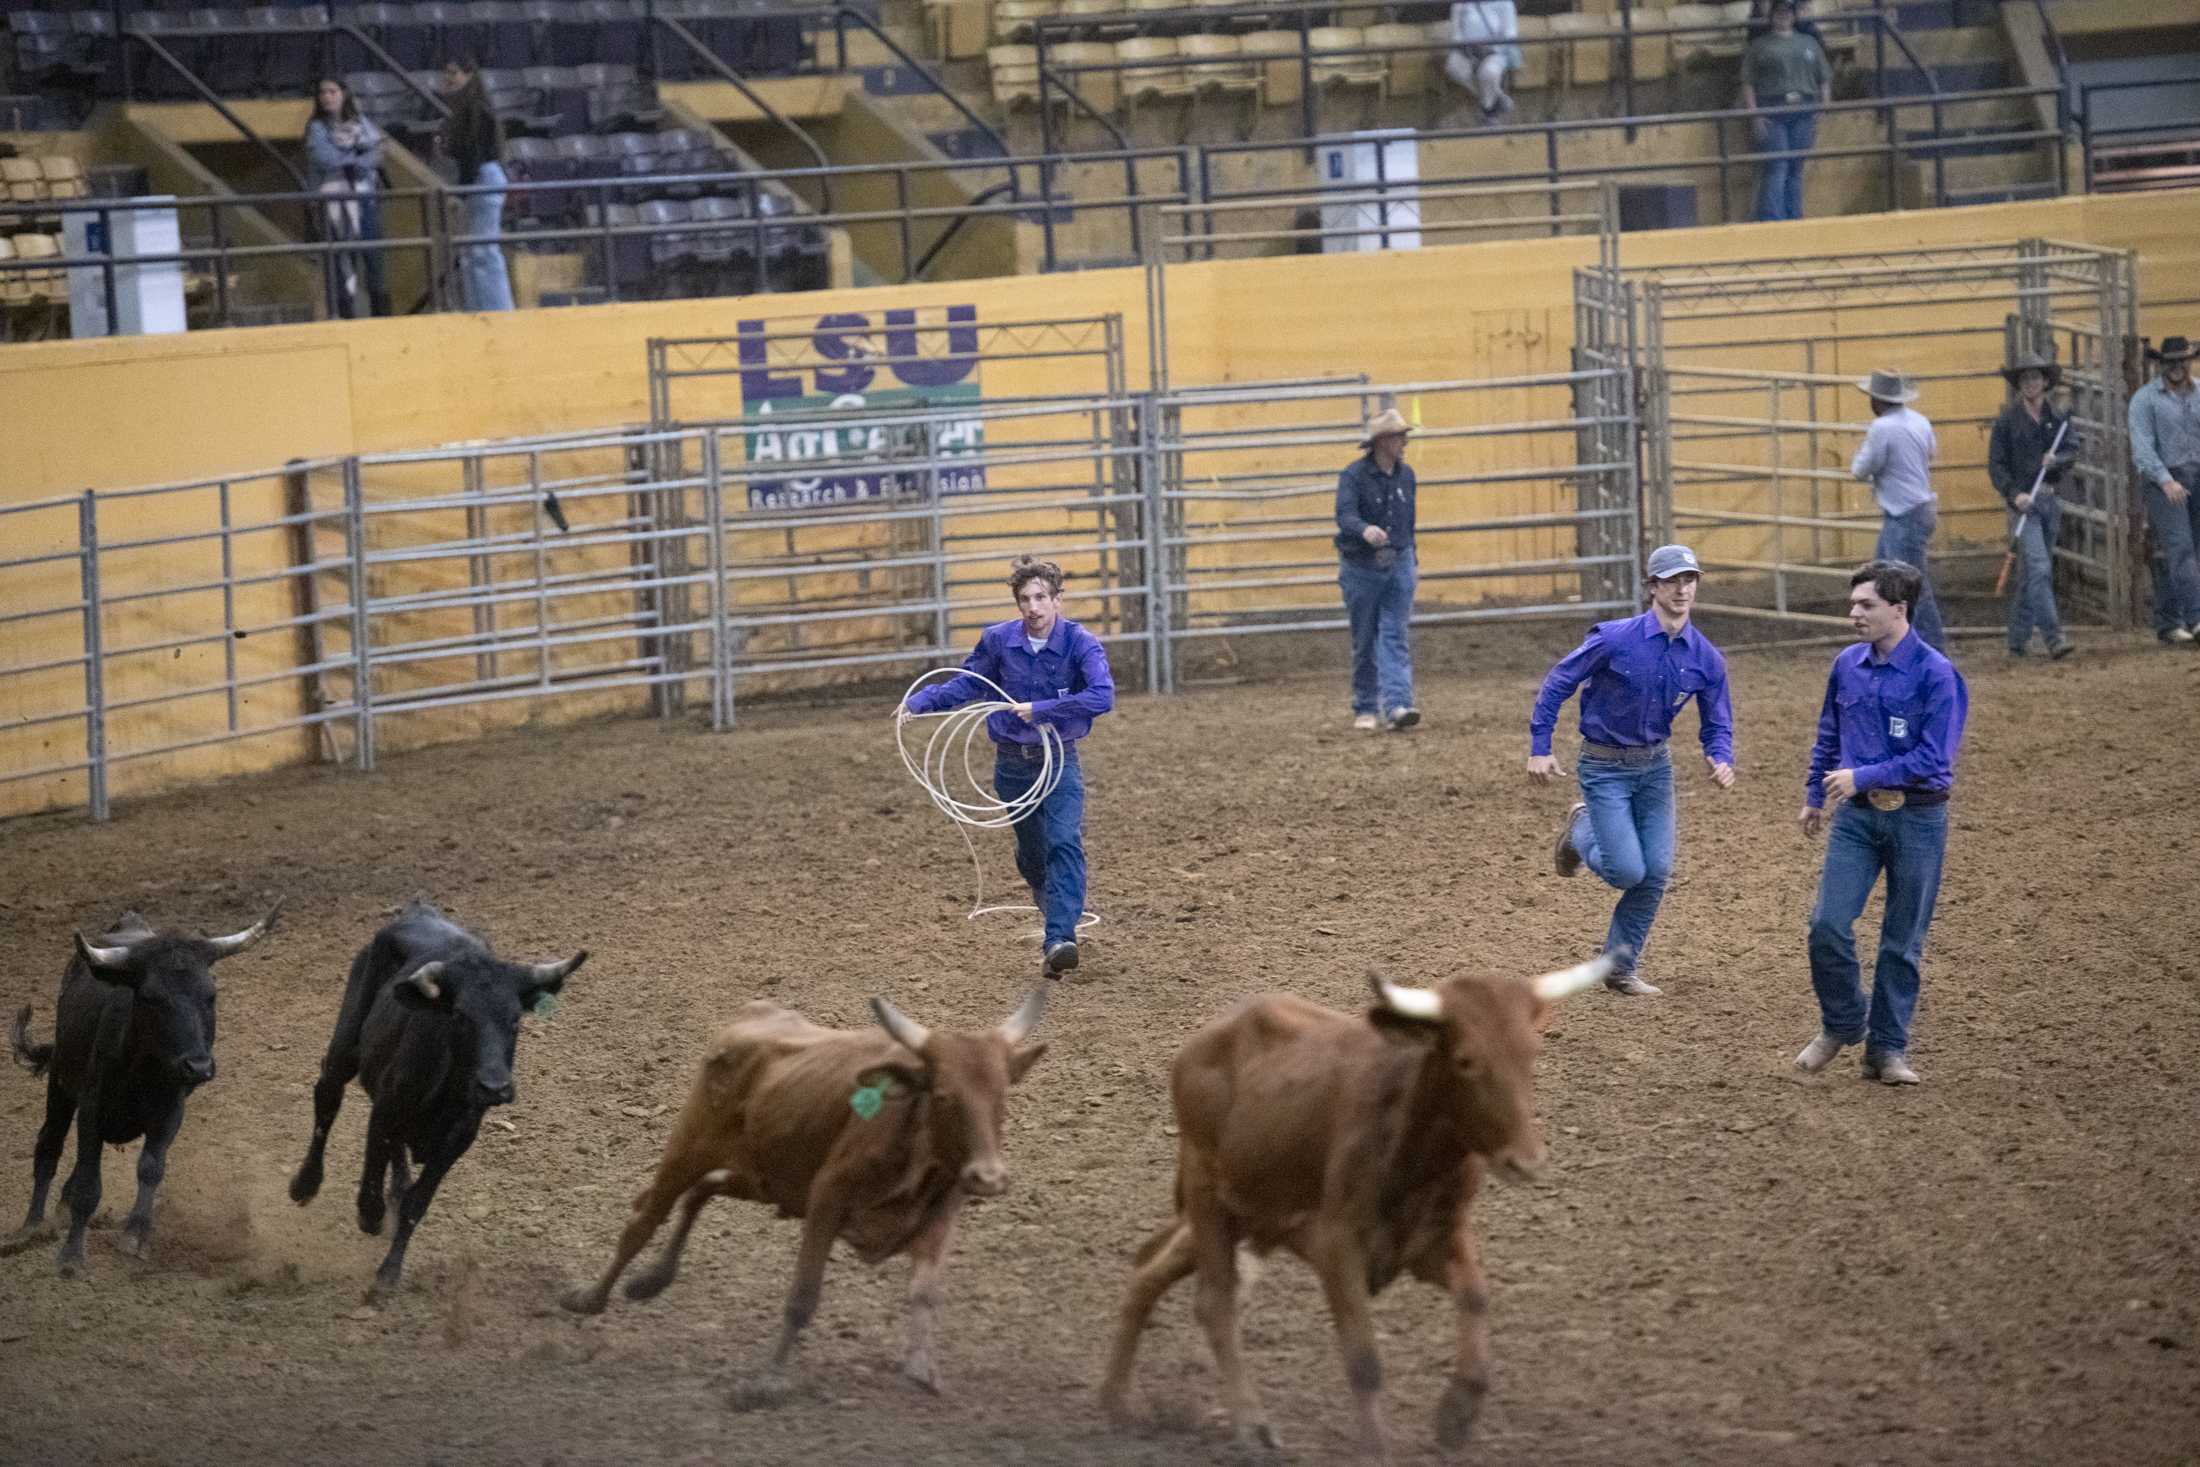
{"x": 430, "y": 1026}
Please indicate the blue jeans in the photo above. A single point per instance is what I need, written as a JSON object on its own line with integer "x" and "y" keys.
{"x": 1380, "y": 604}
{"x": 1050, "y": 842}
{"x": 1780, "y": 180}
{"x": 483, "y": 283}
{"x": 1907, "y": 844}
{"x": 1909, "y": 537}
{"x": 1626, "y": 837}
{"x": 2176, "y": 533}
{"x": 2032, "y": 597}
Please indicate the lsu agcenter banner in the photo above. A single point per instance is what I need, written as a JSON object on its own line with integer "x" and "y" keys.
{"x": 905, "y": 361}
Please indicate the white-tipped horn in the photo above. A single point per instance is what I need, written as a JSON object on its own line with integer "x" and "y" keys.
{"x": 907, "y": 1032}
{"x": 101, "y": 957}
{"x": 237, "y": 942}
{"x": 1018, "y": 1026}
{"x": 428, "y": 978}
{"x": 1565, "y": 983}
{"x": 1407, "y": 1003}
{"x": 557, "y": 972}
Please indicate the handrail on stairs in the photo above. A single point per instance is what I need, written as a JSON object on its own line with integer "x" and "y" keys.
{"x": 727, "y": 74}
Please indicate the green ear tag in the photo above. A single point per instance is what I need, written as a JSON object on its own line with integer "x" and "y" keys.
{"x": 868, "y": 1100}
{"x": 546, "y": 1004}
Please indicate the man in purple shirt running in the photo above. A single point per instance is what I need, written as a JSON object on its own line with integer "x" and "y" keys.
{"x": 1056, "y": 673}
{"x": 1886, "y": 756}
{"x": 1639, "y": 671}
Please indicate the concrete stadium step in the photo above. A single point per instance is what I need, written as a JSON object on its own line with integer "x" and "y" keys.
{"x": 2001, "y": 194}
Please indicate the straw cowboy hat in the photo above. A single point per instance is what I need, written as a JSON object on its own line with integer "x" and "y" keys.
{"x": 2174, "y": 349}
{"x": 1886, "y": 386}
{"x": 1388, "y": 421}
{"x": 2045, "y": 365}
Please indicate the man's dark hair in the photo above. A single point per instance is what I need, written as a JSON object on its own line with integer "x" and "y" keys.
{"x": 1027, "y": 568}
{"x": 1893, "y": 580}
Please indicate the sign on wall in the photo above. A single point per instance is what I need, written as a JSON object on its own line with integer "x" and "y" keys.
{"x": 849, "y": 365}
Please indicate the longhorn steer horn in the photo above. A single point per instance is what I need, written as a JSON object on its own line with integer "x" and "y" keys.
{"x": 237, "y": 942}
{"x": 907, "y": 1032}
{"x": 1406, "y": 1003}
{"x": 557, "y": 972}
{"x": 1566, "y": 982}
{"x": 1018, "y": 1026}
{"x": 101, "y": 957}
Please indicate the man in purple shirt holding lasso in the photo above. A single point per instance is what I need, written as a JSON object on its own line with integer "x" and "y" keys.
{"x": 1056, "y": 673}
{"x": 1640, "y": 671}
{"x": 1886, "y": 755}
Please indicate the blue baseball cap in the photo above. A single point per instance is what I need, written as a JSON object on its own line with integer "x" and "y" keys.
{"x": 1672, "y": 560}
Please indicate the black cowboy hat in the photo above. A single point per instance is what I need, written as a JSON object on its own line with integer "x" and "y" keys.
{"x": 2034, "y": 362}
{"x": 2174, "y": 349}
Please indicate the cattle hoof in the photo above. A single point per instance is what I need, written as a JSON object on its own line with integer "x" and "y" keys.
{"x": 135, "y": 1243}
{"x": 370, "y": 1221}
{"x": 30, "y": 1235}
{"x": 922, "y": 1374}
{"x": 649, "y": 1283}
{"x": 73, "y": 1266}
{"x": 1456, "y": 1412}
{"x": 305, "y": 1186}
{"x": 587, "y": 1299}
{"x": 760, "y": 1392}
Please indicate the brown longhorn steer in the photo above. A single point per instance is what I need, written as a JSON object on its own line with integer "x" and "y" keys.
{"x": 875, "y": 1137}
{"x": 1356, "y": 1141}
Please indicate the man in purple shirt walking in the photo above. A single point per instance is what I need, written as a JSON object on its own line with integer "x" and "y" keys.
{"x": 1056, "y": 673}
{"x": 1886, "y": 755}
{"x": 1639, "y": 671}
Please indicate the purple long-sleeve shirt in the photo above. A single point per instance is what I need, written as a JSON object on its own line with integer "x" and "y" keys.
{"x": 1066, "y": 682}
{"x": 1896, "y": 723}
{"x": 1638, "y": 680}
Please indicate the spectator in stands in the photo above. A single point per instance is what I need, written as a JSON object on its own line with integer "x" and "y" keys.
{"x": 1485, "y": 36}
{"x": 1760, "y": 21}
{"x": 2165, "y": 446}
{"x": 2017, "y": 460}
{"x": 1375, "y": 515}
{"x": 1785, "y": 80}
{"x": 1897, "y": 461}
{"x": 474, "y": 140}
{"x": 344, "y": 159}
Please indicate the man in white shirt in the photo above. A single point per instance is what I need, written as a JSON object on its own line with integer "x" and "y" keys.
{"x": 1486, "y": 38}
{"x": 1897, "y": 461}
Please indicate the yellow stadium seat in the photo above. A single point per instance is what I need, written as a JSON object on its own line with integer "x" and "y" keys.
{"x": 25, "y": 183}
{"x": 41, "y": 285}
{"x": 1346, "y": 71}
{"x": 1653, "y": 44}
{"x": 1588, "y": 63}
{"x": 1688, "y": 48}
{"x": 1158, "y": 76}
{"x": 1102, "y": 90}
{"x": 1015, "y": 73}
{"x": 1013, "y": 19}
{"x": 1535, "y": 59}
{"x": 12, "y": 288}
{"x": 1281, "y": 81}
{"x": 1734, "y": 14}
{"x": 1100, "y": 19}
{"x": 1411, "y": 65}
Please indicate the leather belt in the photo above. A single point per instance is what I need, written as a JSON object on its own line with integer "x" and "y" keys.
{"x": 1032, "y": 753}
{"x": 1613, "y": 753}
{"x": 1897, "y": 799}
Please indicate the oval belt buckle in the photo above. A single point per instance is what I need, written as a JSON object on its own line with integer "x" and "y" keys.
{"x": 1886, "y": 799}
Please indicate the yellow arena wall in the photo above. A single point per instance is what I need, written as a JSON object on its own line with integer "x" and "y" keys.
{"x": 104, "y": 415}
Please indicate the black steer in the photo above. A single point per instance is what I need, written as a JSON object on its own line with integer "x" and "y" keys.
{"x": 430, "y": 1025}
{"x": 133, "y": 1036}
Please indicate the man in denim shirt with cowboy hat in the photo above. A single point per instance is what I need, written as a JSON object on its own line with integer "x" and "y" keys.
{"x": 1375, "y": 513}
{"x": 1640, "y": 671}
{"x": 1896, "y": 459}
{"x": 1888, "y": 732}
{"x": 2026, "y": 475}
{"x": 2165, "y": 447}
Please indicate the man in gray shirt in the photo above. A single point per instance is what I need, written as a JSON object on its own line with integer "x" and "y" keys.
{"x": 2165, "y": 446}
{"x": 1896, "y": 459}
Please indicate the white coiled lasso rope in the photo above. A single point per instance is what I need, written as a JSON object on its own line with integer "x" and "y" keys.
{"x": 955, "y": 739}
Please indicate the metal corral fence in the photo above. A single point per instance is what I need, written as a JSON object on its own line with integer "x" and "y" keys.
{"x": 319, "y": 610}
{"x": 1753, "y": 412}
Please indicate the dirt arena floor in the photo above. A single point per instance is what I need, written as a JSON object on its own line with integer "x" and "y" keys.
{"x": 1724, "y": 1263}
